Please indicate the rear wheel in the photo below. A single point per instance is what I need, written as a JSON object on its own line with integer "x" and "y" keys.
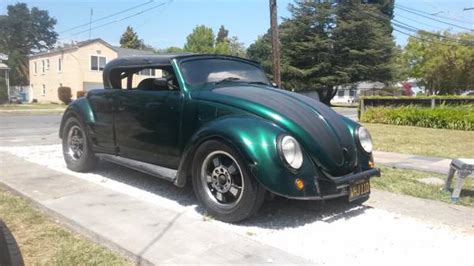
{"x": 223, "y": 184}
{"x": 76, "y": 147}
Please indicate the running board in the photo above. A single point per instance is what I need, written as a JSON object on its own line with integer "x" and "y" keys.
{"x": 147, "y": 168}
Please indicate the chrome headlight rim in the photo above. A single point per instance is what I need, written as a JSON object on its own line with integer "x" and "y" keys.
{"x": 363, "y": 135}
{"x": 297, "y": 162}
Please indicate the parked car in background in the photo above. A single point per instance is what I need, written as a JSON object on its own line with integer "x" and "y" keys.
{"x": 217, "y": 122}
{"x": 15, "y": 99}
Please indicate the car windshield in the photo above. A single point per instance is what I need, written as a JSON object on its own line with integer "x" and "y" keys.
{"x": 202, "y": 71}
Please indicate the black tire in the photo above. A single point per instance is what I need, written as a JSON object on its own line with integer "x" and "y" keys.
{"x": 252, "y": 193}
{"x": 10, "y": 253}
{"x": 87, "y": 161}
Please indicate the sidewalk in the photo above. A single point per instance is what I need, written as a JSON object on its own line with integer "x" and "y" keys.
{"x": 413, "y": 162}
{"x": 138, "y": 229}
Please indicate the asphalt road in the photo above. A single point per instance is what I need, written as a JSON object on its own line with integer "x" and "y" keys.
{"x": 22, "y": 130}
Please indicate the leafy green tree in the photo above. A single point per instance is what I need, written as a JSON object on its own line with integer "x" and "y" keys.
{"x": 363, "y": 44}
{"x": 328, "y": 45}
{"x": 236, "y": 47}
{"x": 222, "y": 35}
{"x": 222, "y": 48}
{"x": 201, "y": 40}
{"x": 23, "y": 32}
{"x": 442, "y": 61}
{"x": 308, "y": 60}
{"x": 261, "y": 51}
{"x": 131, "y": 40}
{"x": 171, "y": 50}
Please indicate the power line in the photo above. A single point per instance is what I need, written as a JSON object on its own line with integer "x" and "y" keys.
{"x": 434, "y": 15}
{"x": 108, "y": 16}
{"x": 428, "y": 17}
{"x": 411, "y": 28}
{"x": 122, "y": 19}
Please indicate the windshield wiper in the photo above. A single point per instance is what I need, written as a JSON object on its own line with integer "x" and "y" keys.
{"x": 229, "y": 79}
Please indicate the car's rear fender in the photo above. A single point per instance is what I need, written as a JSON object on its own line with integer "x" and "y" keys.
{"x": 255, "y": 140}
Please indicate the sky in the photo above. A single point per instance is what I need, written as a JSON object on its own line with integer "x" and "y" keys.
{"x": 170, "y": 22}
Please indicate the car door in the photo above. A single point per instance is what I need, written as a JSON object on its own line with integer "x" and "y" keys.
{"x": 102, "y": 103}
{"x": 147, "y": 126}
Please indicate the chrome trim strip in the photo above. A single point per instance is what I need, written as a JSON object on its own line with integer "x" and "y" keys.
{"x": 147, "y": 168}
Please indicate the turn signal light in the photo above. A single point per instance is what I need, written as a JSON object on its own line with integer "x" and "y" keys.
{"x": 371, "y": 164}
{"x": 299, "y": 184}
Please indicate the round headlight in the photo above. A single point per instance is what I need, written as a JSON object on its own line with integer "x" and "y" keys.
{"x": 365, "y": 139}
{"x": 291, "y": 152}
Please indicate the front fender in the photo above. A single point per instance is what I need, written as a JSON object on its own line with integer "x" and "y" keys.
{"x": 255, "y": 139}
{"x": 80, "y": 109}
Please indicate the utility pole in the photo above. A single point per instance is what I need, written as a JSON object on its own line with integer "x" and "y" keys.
{"x": 275, "y": 43}
{"x": 90, "y": 23}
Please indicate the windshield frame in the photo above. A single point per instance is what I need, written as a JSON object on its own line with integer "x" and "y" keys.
{"x": 219, "y": 57}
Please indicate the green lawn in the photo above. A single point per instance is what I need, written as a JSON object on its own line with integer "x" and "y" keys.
{"x": 406, "y": 182}
{"x": 45, "y": 242}
{"x": 422, "y": 141}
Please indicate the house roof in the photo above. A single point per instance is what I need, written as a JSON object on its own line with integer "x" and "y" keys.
{"x": 122, "y": 52}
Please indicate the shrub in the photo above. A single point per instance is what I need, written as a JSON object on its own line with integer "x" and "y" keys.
{"x": 81, "y": 94}
{"x": 64, "y": 94}
{"x": 448, "y": 117}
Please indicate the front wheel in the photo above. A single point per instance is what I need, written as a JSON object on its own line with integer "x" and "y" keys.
{"x": 223, "y": 184}
{"x": 77, "y": 152}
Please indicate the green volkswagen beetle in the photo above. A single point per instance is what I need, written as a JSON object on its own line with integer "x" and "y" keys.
{"x": 217, "y": 122}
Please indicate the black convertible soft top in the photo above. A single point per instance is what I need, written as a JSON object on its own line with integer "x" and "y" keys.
{"x": 118, "y": 68}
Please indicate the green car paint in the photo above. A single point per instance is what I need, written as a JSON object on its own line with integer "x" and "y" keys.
{"x": 250, "y": 127}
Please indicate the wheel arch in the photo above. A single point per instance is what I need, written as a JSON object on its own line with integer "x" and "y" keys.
{"x": 248, "y": 136}
{"x": 80, "y": 109}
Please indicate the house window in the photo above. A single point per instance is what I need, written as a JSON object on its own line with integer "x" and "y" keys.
{"x": 340, "y": 93}
{"x": 147, "y": 72}
{"x": 60, "y": 64}
{"x": 47, "y": 64}
{"x": 352, "y": 93}
{"x": 36, "y": 68}
{"x": 42, "y": 66}
{"x": 44, "y": 90}
{"x": 98, "y": 62}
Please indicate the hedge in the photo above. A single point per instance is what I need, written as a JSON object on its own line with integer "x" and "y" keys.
{"x": 447, "y": 117}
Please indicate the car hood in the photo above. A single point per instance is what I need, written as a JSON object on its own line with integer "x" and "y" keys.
{"x": 325, "y": 135}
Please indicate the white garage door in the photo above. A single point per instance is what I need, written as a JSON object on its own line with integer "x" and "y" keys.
{"x": 92, "y": 85}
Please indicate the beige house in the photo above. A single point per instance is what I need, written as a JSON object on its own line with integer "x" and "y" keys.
{"x": 78, "y": 66}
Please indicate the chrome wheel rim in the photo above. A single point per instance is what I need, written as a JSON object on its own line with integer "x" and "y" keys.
{"x": 75, "y": 142}
{"x": 222, "y": 179}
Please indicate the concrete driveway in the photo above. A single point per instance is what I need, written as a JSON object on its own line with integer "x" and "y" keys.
{"x": 155, "y": 222}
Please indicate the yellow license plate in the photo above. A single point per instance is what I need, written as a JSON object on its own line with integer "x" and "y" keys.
{"x": 359, "y": 190}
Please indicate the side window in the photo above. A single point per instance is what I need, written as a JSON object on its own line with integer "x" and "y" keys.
{"x": 340, "y": 93}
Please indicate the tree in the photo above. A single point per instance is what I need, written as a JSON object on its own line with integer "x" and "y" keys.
{"x": 23, "y": 32}
{"x": 236, "y": 48}
{"x": 328, "y": 45}
{"x": 261, "y": 51}
{"x": 307, "y": 50}
{"x": 222, "y": 35}
{"x": 130, "y": 39}
{"x": 201, "y": 40}
{"x": 363, "y": 44}
{"x": 443, "y": 62}
{"x": 171, "y": 50}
